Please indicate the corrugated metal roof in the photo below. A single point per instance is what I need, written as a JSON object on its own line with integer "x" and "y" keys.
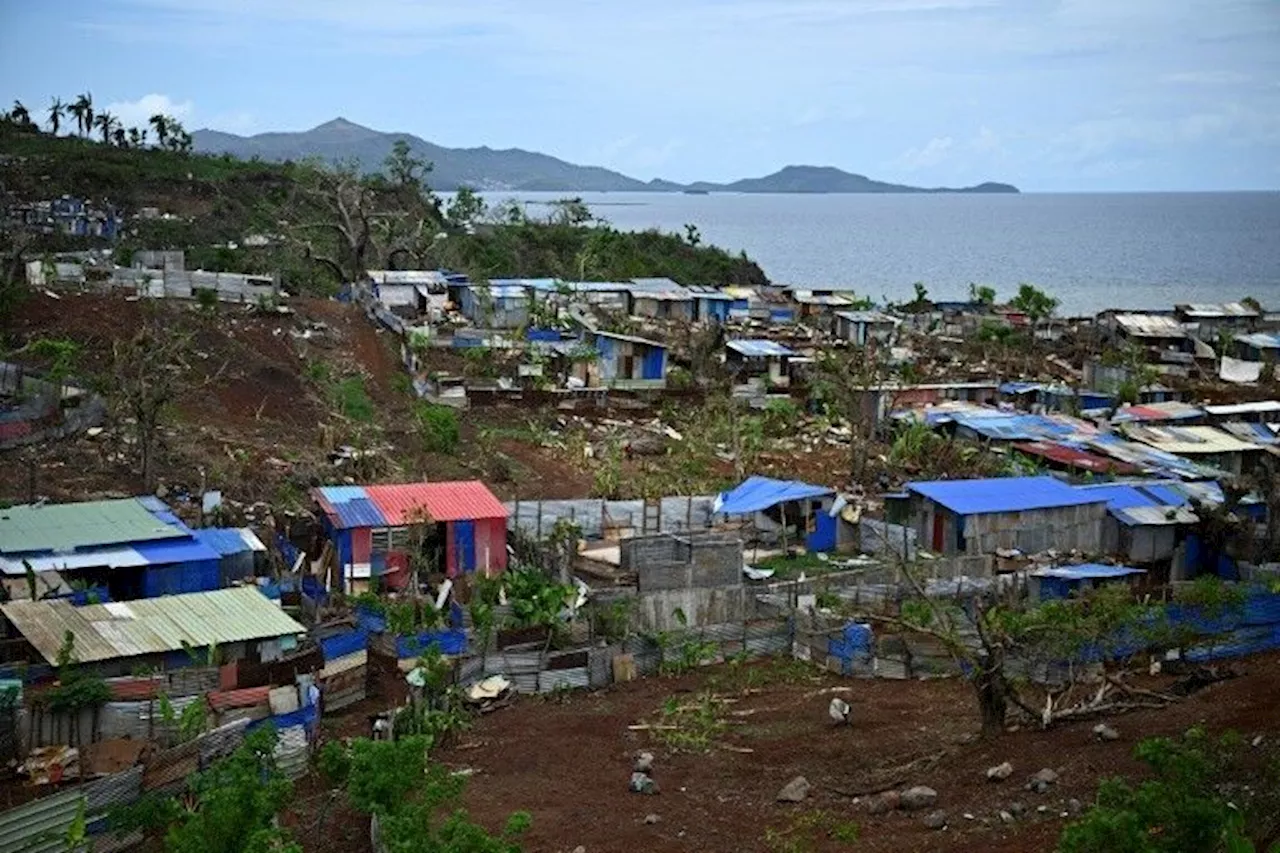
{"x": 1260, "y": 433}
{"x": 65, "y": 527}
{"x": 389, "y": 506}
{"x": 867, "y": 317}
{"x": 1260, "y": 340}
{"x": 702, "y": 291}
{"x": 1150, "y": 459}
{"x": 175, "y": 551}
{"x": 1259, "y": 407}
{"x": 759, "y": 348}
{"x": 659, "y": 288}
{"x": 1171, "y": 410}
{"x": 1087, "y": 571}
{"x": 1190, "y": 440}
{"x": 98, "y": 558}
{"x": 1149, "y": 516}
{"x": 1002, "y": 494}
{"x": 1207, "y": 310}
{"x": 631, "y": 339}
{"x": 1120, "y": 495}
{"x": 455, "y": 501}
{"x": 224, "y": 541}
{"x": 151, "y": 625}
{"x": 1075, "y": 457}
{"x": 1150, "y": 326}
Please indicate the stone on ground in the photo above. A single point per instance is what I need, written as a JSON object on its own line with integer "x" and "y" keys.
{"x": 918, "y": 797}
{"x": 794, "y": 791}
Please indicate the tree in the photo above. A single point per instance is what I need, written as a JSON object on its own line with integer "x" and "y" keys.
{"x": 105, "y": 123}
{"x": 465, "y": 210}
{"x": 137, "y": 137}
{"x": 569, "y": 211}
{"x": 847, "y": 381}
{"x": 82, "y": 109}
{"x": 994, "y": 631}
{"x": 119, "y": 137}
{"x": 982, "y": 293}
{"x": 1033, "y": 302}
{"x": 403, "y": 169}
{"x": 160, "y": 124}
{"x": 145, "y": 382}
{"x": 56, "y": 112}
{"x": 691, "y": 234}
{"x": 19, "y": 115}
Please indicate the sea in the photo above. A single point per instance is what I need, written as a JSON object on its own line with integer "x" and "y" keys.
{"x": 1090, "y": 251}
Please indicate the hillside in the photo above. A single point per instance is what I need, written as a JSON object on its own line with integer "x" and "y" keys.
{"x": 514, "y": 169}
{"x": 209, "y": 204}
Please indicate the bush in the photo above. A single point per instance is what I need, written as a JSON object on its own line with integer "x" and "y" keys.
{"x": 351, "y": 400}
{"x": 438, "y": 426}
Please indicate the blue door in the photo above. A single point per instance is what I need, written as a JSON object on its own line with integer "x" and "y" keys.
{"x": 823, "y": 537}
{"x": 654, "y": 361}
{"x": 464, "y": 538}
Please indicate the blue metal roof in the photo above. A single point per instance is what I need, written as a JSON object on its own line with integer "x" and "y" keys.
{"x": 1164, "y": 495}
{"x": 1020, "y": 387}
{"x": 351, "y": 507}
{"x": 759, "y": 348}
{"x": 183, "y": 551}
{"x": 1087, "y": 571}
{"x": 226, "y": 541}
{"x": 760, "y": 493}
{"x": 1002, "y": 494}
{"x": 1119, "y": 495}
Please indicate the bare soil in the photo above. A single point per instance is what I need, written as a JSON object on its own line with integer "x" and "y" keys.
{"x": 567, "y": 760}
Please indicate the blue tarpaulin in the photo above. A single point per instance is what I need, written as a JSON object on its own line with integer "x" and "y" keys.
{"x": 760, "y": 493}
{"x": 341, "y": 645}
{"x": 448, "y": 642}
{"x": 1002, "y": 494}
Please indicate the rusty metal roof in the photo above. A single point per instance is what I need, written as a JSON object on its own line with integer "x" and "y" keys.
{"x": 152, "y": 625}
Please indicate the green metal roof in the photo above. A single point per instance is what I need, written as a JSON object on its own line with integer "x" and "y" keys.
{"x": 151, "y": 625}
{"x": 66, "y": 527}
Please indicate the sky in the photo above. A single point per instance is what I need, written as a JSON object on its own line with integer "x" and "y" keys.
{"x": 1051, "y": 95}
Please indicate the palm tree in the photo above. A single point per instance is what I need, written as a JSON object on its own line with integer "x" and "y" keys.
{"x": 137, "y": 137}
{"x": 105, "y": 122}
{"x": 82, "y": 109}
{"x": 19, "y": 114}
{"x": 56, "y": 111}
{"x": 119, "y": 137}
{"x": 161, "y": 125}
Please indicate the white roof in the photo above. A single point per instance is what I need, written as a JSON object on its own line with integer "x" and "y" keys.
{"x": 1257, "y": 407}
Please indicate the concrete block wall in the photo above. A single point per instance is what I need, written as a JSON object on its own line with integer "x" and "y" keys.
{"x": 1061, "y": 528}
{"x": 667, "y": 561}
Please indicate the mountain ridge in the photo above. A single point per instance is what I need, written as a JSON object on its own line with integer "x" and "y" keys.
{"x": 520, "y": 170}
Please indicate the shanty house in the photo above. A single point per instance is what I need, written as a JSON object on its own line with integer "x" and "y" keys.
{"x": 980, "y": 517}
{"x": 406, "y": 293}
{"x": 787, "y": 512}
{"x": 1205, "y": 445}
{"x": 1259, "y": 346}
{"x": 1065, "y": 581}
{"x": 121, "y": 637}
{"x": 863, "y": 327}
{"x": 1208, "y": 321}
{"x": 661, "y": 299}
{"x": 1145, "y": 521}
{"x": 759, "y": 359}
{"x": 1163, "y": 337}
{"x": 130, "y": 548}
{"x": 495, "y": 304}
{"x": 711, "y": 304}
{"x": 624, "y": 361}
{"x": 457, "y": 527}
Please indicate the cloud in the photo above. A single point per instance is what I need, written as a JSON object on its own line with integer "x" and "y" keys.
{"x": 986, "y": 142}
{"x": 927, "y": 156}
{"x": 136, "y": 113}
{"x": 1207, "y": 78}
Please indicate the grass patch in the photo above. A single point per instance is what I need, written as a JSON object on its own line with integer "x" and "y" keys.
{"x": 801, "y": 834}
{"x": 351, "y": 400}
{"x": 437, "y": 426}
{"x": 687, "y": 726}
{"x": 789, "y": 568}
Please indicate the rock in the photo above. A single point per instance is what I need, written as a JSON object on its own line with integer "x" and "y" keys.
{"x": 641, "y": 783}
{"x": 651, "y": 818}
{"x": 968, "y": 816}
{"x": 1006, "y": 817}
{"x": 1000, "y": 772}
{"x": 794, "y": 791}
{"x": 1017, "y": 809}
{"x": 936, "y": 820}
{"x": 1042, "y": 809}
{"x": 580, "y": 849}
{"x": 644, "y": 763}
{"x": 919, "y": 797}
{"x": 882, "y": 803}
{"x": 1104, "y": 732}
{"x": 1074, "y": 806}
{"x": 1041, "y": 781}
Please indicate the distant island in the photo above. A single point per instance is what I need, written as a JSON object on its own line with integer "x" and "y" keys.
{"x": 516, "y": 170}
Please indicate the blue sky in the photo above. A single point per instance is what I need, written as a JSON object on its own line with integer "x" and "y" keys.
{"x": 1055, "y": 95}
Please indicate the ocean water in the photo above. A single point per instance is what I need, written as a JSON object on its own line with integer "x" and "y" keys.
{"x": 1091, "y": 251}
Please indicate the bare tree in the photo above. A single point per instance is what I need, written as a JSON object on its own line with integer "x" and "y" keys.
{"x": 849, "y": 380}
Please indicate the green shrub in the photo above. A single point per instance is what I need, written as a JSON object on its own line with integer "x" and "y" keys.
{"x": 438, "y": 427}
{"x": 351, "y": 400}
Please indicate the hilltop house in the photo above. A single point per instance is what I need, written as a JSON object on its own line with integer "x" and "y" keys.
{"x": 761, "y": 360}
{"x": 623, "y": 362}
{"x": 863, "y": 327}
{"x": 660, "y": 299}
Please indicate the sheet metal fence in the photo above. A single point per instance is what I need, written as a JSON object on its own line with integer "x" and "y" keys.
{"x": 598, "y": 517}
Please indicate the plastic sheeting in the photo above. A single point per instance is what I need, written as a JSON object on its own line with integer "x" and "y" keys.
{"x": 761, "y": 493}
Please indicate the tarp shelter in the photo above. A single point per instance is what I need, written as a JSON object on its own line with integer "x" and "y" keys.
{"x": 759, "y": 494}
{"x": 1062, "y": 581}
{"x": 369, "y": 526}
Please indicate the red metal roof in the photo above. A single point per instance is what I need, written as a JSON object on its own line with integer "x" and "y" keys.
{"x": 1075, "y": 458}
{"x": 246, "y": 697}
{"x": 459, "y": 501}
